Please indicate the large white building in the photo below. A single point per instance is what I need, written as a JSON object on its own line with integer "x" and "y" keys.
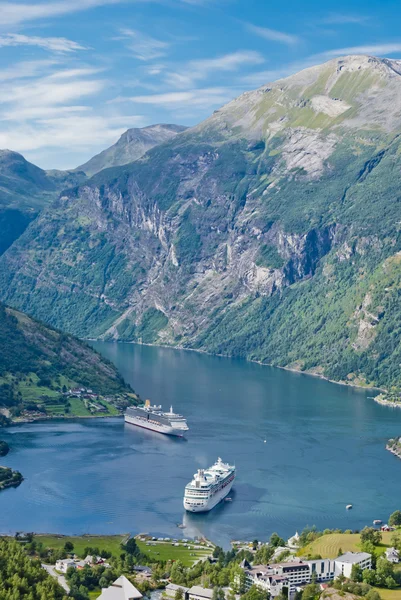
{"x": 345, "y": 562}
{"x": 273, "y": 578}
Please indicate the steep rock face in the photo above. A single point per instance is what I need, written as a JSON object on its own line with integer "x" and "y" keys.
{"x": 132, "y": 145}
{"x": 258, "y": 233}
{"x": 24, "y": 190}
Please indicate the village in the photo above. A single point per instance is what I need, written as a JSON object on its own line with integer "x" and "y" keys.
{"x": 284, "y": 575}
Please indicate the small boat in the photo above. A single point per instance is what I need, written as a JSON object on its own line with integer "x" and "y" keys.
{"x": 228, "y": 499}
{"x": 349, "y": 506}
{"x": 377, "y": 522}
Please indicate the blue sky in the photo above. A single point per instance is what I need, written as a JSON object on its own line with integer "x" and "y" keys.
{"x": 75, "y": 74}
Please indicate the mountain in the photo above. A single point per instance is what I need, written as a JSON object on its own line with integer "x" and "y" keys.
{"x": 132, "y": 145}
{"x": 24, "y": 190}
{"x": 270, "y": 231}
{"x": 37, "y": 363}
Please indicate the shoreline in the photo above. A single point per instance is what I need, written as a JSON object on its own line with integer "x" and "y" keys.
{"x": 385, "y": 402}
{"x": 249, "y": 360}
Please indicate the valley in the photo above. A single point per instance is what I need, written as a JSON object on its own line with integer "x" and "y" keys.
{"x": 268, "y": 232}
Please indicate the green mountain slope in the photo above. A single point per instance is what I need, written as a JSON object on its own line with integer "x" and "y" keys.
{"x": 132, "y": 145}
{"x": 270, "y": 231}
{"x": 24, "y": 190}
{"x": 38, "y": 365}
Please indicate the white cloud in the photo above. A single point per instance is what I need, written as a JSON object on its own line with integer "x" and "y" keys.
{"x": 12, "y": 13}
{"x": 273, "y": 35}
{"x": 344, "y": 19}
{"x": 51, "y": 43}
{"x": 142, "y": 46}
{"x": 374, "y": 49}
{"x": 203, "y": 98}
{"x": 198, "y": 70}
{"x": 25, "y": 69}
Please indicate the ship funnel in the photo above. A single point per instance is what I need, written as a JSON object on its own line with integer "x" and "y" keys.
{"x": 171, "y": 410}
{"x": 147, "y": 403}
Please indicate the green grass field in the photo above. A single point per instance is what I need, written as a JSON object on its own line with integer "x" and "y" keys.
{"x": 165, "y": 551}
{"x": 389, "y": 594}
{"x": 328, "y": 546}
{"x": 111, "y": 543}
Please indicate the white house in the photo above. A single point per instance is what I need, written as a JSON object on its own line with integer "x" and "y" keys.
{"x": 293, "y": 542}
{"x": 64, "y": 564}
{"x": 393, "y": 555}
{"x": 121, "y": 589}
{"x": 344, "y": 563}
{"x": 197, "y": 592}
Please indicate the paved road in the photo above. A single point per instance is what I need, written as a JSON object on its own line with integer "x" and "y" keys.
{"x": 60, "y": 578}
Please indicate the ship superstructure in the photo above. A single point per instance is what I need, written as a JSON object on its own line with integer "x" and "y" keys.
{"x": 209, "y": 487}
{"x": 152, "y": 417}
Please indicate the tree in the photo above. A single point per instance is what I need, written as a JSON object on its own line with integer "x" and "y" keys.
{"x": 254, "y": 593}
{"x": 356, "y": 573}
{"x": 372, "y": 595}
{"x": 276, "y": 540}
{"x": 263, "y": 555}
{"x": 395, "y": 518}
{"x": 68, "y": 546}
{"x": 131, "y": 547}
{"x": 311, "y": 592}
{"x": 384, "y": 572}
{"x": 218, "y": 594}
{"x": 369, "y": 576}
{"x": 255, "y": 544}
{"x": 179, "y": 594}
{"x": 368, "y": 534}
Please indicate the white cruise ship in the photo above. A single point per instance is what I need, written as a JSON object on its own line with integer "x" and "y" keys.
{"x": 152, "y": 417}
{"x": 209, "y": 487}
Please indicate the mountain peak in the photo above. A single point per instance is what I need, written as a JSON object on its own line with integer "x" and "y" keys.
{"x": 349, "y": 91}
{"x": 132, "y": 144}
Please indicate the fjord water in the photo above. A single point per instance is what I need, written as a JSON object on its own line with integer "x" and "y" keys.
{"x": 324, "y": 449}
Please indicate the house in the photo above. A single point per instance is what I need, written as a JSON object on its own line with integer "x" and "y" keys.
{"x": 172, "y": 588}
{"x": 143, "y": 569}
{"x": 293, "y": 542}
{"x": 197, "y": 592}
{"x": 121, "y": 589}
{"x": 64, "y": 564}
{"x": 81, "y": 564}
{"x": 387, "y": 528}
{"x": 345, "y": 562}
{"x": 393, "y": 555}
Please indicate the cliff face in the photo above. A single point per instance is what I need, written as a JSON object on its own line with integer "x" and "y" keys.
{"x": 269, "y": 231}
{"x": 25, "y": 189}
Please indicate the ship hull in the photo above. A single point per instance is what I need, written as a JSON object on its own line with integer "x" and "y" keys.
{"x": 211, "y": 501}
{"x": 152, "y": 426}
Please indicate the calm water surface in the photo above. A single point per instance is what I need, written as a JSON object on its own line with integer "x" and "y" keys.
{"x": 324, "y": 449}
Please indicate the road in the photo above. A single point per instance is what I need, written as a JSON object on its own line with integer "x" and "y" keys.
{"x": 60, "y": 578}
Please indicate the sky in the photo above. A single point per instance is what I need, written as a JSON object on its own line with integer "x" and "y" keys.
{"x": 75, "y": 74}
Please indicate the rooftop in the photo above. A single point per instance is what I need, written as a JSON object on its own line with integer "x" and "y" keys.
{"x": 197, "y": 590}
{"x": 353, "y": 557}
{"x": 121, "y": 589}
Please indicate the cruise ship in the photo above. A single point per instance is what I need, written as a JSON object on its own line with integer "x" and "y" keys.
{"x": 209, "y": 487}
{"x": 152, "y": 417}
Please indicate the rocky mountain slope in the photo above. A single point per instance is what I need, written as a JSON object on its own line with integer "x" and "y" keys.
{"x": 37, "y": 362}
{"x": 270, "y": 231}
{"x": 132, "y": 145}
{"x": 24, "y": 190}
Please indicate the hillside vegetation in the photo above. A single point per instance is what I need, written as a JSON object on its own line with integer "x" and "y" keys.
{"x": 38, "y": 365}
{"x": 271, "y": 232}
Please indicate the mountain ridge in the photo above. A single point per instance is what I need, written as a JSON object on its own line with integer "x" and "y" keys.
{"x": 132, "y": 144}
{"x": 269, "y": 231}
